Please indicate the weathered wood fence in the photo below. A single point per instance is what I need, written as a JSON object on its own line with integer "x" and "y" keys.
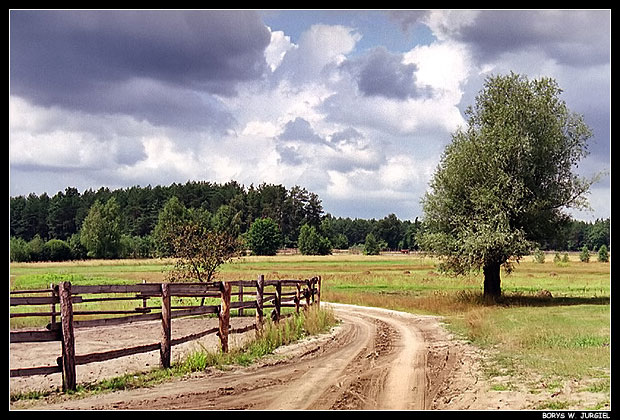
{"x": 249, "y": 294}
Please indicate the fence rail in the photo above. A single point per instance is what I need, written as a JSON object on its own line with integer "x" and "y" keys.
{"x": 287, "y": 293}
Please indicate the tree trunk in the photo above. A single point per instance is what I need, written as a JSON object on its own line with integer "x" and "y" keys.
{"x": 492, "y": 282}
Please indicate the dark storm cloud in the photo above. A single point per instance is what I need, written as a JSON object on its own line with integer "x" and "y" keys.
{"x": 571, "y": 37}
{"x": 381, "y": 73}
{"x": 300, "y": 130}
{"x": 82, "y": 59}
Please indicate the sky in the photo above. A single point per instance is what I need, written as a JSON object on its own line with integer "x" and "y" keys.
{"x": 354, "y": 105}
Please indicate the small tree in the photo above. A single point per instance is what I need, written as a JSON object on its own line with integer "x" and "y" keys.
{"x": 200, "y": 252}
{"x": 584, "y": 255}
{"x": 371, "y": 245}
{"x": 264, "y": 237}
{"x": 539, "y": 256}
{"x": 310, "y": 242}
{"x": 603, "y": 255}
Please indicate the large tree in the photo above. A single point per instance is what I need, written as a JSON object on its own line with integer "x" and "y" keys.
{"x": 505, "y": 179}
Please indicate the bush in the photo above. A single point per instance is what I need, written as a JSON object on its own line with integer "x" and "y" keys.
{"x": 584, "y": 256}
{"x": 603, "y": 255}
{"x": 57, "y": 250}
{"x": 19, "y": 250}
{"x": 37, "y": 250}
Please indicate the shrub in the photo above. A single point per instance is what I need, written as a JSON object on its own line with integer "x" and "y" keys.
{"x": 57, "y": 250}
{"x": 37, "y": 250}
{"x": 584, "y": 256}
{"x": 18, "y": 250}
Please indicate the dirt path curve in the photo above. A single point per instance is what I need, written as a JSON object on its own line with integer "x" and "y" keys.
{"x": 376, "y": 359}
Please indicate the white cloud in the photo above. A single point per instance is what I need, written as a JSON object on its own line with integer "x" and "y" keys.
{"x": 51, "y": 138}
{"x": 442, "y": 66}
{"x": 279, "y": 45}
{"x": 261, "y": 129}
{"x": 447, "y": 24}
{"x": 319, "y": 46}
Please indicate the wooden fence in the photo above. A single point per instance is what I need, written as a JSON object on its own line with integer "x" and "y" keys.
{"x": 286, "y": 293}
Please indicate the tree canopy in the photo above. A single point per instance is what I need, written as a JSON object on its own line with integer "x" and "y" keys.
{"x": 503, "y": 182}
{"x": 147, "y": 215}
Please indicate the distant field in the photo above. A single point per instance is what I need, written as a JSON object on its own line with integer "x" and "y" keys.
{"x": 533, "y": 341}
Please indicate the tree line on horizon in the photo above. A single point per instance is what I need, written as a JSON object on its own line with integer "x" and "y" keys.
{"x": 44, "y": 228}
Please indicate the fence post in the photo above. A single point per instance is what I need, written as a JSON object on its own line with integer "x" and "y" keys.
{"x": 166, "y": 318}
{"x": 278, "y": 300}
{"x": 260, "y": 288}
{"x": 144, "y": 299}
{"x": 69, "y": 381}
{"x": 53, "y": 307}
{"x": 224, "y": 315}
{"x": 240, "y": 311}
{"x": 314, "y": 288}
{"x": 297, "y": 297}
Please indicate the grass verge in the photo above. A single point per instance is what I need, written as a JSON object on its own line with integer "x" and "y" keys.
{"x": 545, "y": 343}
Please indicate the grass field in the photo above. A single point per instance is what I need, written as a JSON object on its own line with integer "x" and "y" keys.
{"x": 532, "y": 341}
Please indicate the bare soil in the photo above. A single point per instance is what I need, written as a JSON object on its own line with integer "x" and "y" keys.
{"x": 375, "y": 359}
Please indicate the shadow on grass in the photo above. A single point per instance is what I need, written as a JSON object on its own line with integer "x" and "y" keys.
{"x": 525, "y": 300}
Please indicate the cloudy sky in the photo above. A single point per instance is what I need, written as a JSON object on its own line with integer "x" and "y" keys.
{"x": 356, "y": 106}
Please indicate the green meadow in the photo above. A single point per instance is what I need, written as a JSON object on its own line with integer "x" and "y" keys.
{"x": 532, "y": 340}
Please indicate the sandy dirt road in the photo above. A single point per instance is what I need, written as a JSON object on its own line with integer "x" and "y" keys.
{"x": 375, "y": 359}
